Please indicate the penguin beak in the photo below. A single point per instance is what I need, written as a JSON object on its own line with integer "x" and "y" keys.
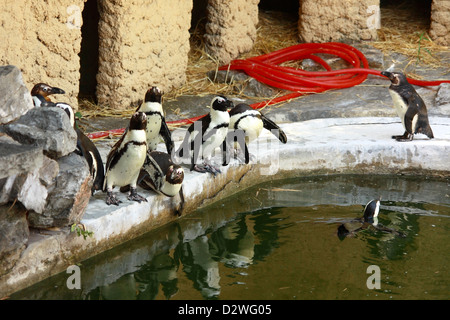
{"x": 55, "y": 90}
{"x": 388, "y": 74}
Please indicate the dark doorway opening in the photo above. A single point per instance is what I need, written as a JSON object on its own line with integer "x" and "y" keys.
{"x": 89, "y": 52}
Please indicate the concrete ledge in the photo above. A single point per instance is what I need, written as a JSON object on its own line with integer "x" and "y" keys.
{"x": 321, "y": 146}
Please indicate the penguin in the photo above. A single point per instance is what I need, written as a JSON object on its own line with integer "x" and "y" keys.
{"x": 207, "y": 134}
{"x": 251, "y": 122}
{"x": 156, "y": 123}
{"x": 409, "y": 106}
{"x": 87, "y": 149}
{"x": 41, "y": 91}
{"x": 161, "y": 175}
{"x": 125, "y": 159}
{"x": 370, "y": 218}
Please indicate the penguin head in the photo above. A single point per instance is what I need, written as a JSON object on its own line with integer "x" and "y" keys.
{"x": 371, "y": 210}
{"x": 45, "y": 90}
{"x": 397, "y": 78}
{"x": 221, "y": 103}
{"x": 138, "y": 121}
{"x": 153, "y": 94}
{"x": 175, "y": 174}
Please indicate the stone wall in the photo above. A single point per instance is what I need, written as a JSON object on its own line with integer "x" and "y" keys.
{"x": 337, "y": 20}
{"x": 141, "y": 44}
{"x": 43, "y": 38}
{"x": 231, "y": 28}
{"x": 440, "y": 22}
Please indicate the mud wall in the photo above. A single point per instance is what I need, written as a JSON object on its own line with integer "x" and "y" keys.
{"x": 42, "y": 38}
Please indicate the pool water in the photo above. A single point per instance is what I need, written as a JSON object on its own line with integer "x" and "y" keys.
{"x": 278, "y": 240}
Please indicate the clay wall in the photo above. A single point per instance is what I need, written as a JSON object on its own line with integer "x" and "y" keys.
{"x": 440, "y": 22}
{"x": 42, "y": 38}
{"x": 141, "y": 43}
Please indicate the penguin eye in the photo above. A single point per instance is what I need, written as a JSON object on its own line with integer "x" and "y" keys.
{"x": 396, "y": 80}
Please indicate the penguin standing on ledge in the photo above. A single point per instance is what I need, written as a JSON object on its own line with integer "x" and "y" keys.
{"x": 251, "y": 122}
{"x": 207, "y": 134}
{"x": 41, "y": 91}
{"x": 87, "y": 149}
{"x": 161, "y": 175}
{"x": 409, "y": 106}
{"x": 125, "y": 160}
{"x": 156, "y": 123}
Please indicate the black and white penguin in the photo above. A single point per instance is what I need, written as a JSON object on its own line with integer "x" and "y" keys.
{"x": 371, "y": 211}
{"x": 160, "y": 174}
{"x": 41, "y": 91}
{"x": 87, "y": 149}
{"x": 369, "y": 219}
{"x": 251, "y": 122}
{"x": 156, "y": 123}
{"x": 206, "y": 134}
{"x": 409, "y": 106}
{"x": 125, "y": 160}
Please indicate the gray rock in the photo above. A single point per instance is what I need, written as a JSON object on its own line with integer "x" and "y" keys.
{"x": 16, "y": 158}
{"x": 15, "y": 99}
{"x": 68, "y": 196}
{"x": 48, "y": 128}
{"x": 443, "y": 94}
{"x": 30, "y": 188}
{"x": 14, "y": 234}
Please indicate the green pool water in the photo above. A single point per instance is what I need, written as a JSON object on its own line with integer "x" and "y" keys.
{"x": 278, "y": 240}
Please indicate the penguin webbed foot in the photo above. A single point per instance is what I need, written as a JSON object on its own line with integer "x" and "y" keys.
{"x": 112, "y": 199}
{"x": 206, "y": 167}
{"x": 405, "y": 137}
{"x": 134, "y": 196}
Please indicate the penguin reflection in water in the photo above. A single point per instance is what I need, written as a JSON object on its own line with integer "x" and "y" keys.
{"x": 125, "y": 160}
{"x": 369, "y": 219}
{"x": 410, "y": 107}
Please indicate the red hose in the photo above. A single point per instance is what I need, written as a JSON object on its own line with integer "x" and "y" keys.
{"x": 266, "y": 69}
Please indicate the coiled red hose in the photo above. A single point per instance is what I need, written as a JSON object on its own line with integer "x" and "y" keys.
{"x": 266, "y": 69}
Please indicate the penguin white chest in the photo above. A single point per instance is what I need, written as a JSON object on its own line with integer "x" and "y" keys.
{"x": 153, "y": 128}
{"x": 252, "y": 126}
{"x": 127, "y": 168}
{"x": 399, "y": 105}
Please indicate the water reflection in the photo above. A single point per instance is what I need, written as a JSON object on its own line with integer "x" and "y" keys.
{"x": 216, "y": 248}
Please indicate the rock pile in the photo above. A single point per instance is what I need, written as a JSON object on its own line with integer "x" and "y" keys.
{"x": 40, "y": 171}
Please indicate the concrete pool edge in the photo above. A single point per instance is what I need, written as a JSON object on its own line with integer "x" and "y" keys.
{"x": 320, "y": 146}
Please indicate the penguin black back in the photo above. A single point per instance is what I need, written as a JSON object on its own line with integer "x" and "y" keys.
{"x": 409, "y": 106}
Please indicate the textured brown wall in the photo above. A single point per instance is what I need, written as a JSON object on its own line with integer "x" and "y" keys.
{"x": 231, "y": 28}
{"x": 42, "y": 38}
{"x": 141, "y": 43}
{"x": 440, "y": 22}
{"x": 336, "y": 20}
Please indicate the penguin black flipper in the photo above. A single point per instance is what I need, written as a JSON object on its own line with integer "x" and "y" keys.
{"x": 164, "y": 132}
{"x": 93, "y": 157}
{"x": 423, "y": 126}
{"x": 270, "y": 125}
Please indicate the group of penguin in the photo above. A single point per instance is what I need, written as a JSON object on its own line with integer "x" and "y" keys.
{"x": 134, "y": 160}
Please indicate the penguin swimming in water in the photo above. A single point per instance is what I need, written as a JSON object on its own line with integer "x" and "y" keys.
{"x": 410, "y": 107}
{"x": 125, "y": 160}
{"x": 161, "y": 175}
{"x": 156, "y": 123}
{"x": 371, "y": 211}
{"x": 207, "y": 134}
{"x": 87, "y": 149}
{"x": 251, "y": 122}
{"x": 41, "y": 91}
